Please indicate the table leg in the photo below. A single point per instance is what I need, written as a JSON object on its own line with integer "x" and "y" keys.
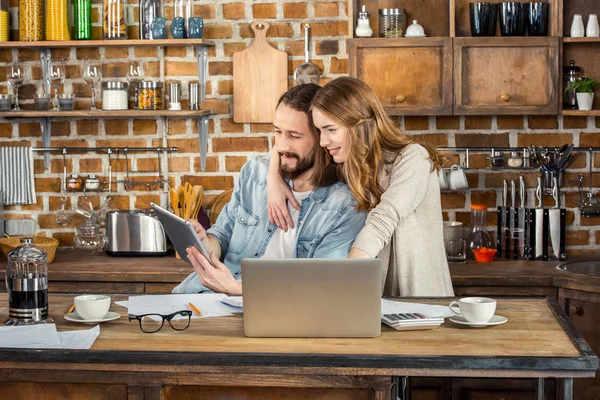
{"x": 539, "y": 389}
{"x": 567, "y": 389}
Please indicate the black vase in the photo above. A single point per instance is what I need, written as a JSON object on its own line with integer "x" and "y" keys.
{"x": 537, "y": 18}
{"x": 483, "y": 18}
{"x": 512, "y": 19}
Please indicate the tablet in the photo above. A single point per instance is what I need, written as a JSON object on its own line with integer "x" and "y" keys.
{"x": 181, "y": 233}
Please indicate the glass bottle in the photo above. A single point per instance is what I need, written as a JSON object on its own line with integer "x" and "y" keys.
{"x": 57, "y": 23}
{"x": 571, "y": 74}
{"x": 478, "y": 238}
{"x": 31, "y": 23}
{"x": 4, "y": 21}
{"x": 149, "y": 9}
{"x": 114, "y": 24}
{"x": 83, "y": 19}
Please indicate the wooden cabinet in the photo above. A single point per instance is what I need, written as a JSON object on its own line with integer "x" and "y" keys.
{"x": 410, "y": 76}
{"x": 583, "y": 309}
{"x": 507, "y": 76}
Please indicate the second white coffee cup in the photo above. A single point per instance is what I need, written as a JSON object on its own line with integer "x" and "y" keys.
{"x": 477, "y": 310}
{"x": 92, "y": 306}
{"x": 457, "y": 178}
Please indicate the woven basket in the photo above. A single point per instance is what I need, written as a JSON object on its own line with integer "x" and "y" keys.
{"x": 48, "y": 245}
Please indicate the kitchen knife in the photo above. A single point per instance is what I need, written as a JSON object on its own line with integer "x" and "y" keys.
{"x": 520, "y": 226}
{"x": 506, "y": 218}
{"x": 538, "y": 229}
{"x": 556, "y": 224}
{"x": 513, "y": 215}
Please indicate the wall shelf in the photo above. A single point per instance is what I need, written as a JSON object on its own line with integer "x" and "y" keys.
{"x": 107, "y": 114}
{"x": 577, "y": 113}
{"x": 106, "y": 43}
{"x": 581, "y": 40}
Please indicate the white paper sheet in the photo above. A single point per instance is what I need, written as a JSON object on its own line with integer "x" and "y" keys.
{"x": 391, "y": 307}
{"x": 209, "y": 304}
{"x": 45, "y": 336}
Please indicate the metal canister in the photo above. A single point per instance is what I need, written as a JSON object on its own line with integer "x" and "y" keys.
{"x": 194, "y": 91}
{"x": 174, "y": 93}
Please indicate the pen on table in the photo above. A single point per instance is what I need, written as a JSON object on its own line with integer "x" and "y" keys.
{"x": 193, "y": 307}
{"x": 71, "y": 309}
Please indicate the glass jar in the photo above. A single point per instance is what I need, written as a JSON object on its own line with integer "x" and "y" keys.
{"x": 31, "y": 23}
{"x": 4, "y": 21}
{"x": 515, "y": 160}
{"x": 114, "y": 95}
{"x": 27, "y": 285}
{"x": 478, "y": 239}
{"x": 392, "y": 22}
{"x": 82, "y": 10}
{"x": 57, "y": 23}
{"x": 150, "y": 95}
{"x": 497, "y": 159}
{"x": 149, "y": 9}
{"x": 89, "y": 238}
{"x": 363, "y": 27}
{"x": 571, "y": 74}
{"x": 115, "y": 21}
{"x": 74, "y": 182}
{"x": 92, "y": 182}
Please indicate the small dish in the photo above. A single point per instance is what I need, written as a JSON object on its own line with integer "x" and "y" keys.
{"x": 74, "y": 317}
{"x": 496, "y": 320}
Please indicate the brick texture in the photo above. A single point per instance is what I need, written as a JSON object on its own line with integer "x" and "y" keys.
{"x": 231, "y": 144}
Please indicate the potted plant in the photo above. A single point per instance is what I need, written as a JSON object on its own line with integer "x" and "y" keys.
{"x": 584, "y": 88}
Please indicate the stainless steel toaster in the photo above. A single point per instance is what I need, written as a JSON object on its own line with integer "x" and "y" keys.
{"x": 134, "y": 233}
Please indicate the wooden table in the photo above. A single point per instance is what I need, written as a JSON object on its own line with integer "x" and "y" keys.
{"x": 213, "y": 358}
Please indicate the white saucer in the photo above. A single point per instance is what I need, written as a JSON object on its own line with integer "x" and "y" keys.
{"x": 496, "y": 320}
{"x": 74, "y": 317}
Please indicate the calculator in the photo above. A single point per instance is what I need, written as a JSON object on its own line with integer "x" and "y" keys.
{"x": 411, "y": 321}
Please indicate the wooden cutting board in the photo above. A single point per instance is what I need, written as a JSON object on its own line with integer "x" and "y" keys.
{"x": 260, "y": 77}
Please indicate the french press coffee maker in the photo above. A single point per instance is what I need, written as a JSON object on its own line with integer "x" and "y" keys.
{"x": 571, "y": 74}
{"x": 27, "y": 285}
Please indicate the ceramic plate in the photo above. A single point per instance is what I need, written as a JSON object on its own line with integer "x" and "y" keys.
{"x": 496, "y": 320}
{"x": 76, "y": 318}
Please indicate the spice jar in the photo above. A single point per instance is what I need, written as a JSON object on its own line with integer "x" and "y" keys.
{"x": 150, "y": 95}
{"x": 497, "y": 159}
{"x": 31, "y": 24}
{"x": 74, "y": 182}
{"x": 4, "y": 21}
{"x": 515, "y": 160}
{"x": 392, "y": 22}
{"x": 114, "y": 25}
{"x": 363, "y": 28}
{"x": 92, "y": 182}
{"x": 114, "y": 95}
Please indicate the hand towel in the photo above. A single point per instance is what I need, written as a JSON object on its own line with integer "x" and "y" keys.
{"x": 17, "y": 183}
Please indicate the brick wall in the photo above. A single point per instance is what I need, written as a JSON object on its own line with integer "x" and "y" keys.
{"x": 227, "y": 23}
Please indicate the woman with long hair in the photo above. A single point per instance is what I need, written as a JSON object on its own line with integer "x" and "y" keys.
{"x": 392, "y": 177}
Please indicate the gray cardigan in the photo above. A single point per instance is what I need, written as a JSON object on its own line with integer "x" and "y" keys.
{"x": 405, "y": 230}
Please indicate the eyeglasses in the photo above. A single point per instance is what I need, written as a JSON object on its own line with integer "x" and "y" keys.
{"x": 150, "y": 323}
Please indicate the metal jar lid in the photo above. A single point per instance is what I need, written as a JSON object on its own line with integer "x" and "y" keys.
{"x": 392, "y": 11}
{"x": 114, "y": 85}
{"x": 150, "y": 85}
{"x": 27, "y": 252}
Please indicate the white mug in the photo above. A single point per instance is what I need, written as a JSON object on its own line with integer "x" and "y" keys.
{"x": 443, "y": 179}
{"x": 477, "y": 310}
{"x": 92, "y": 306}
{"x": 457, "y": 178}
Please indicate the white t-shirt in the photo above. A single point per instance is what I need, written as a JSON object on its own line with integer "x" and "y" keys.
{"x": 283, "y": 244}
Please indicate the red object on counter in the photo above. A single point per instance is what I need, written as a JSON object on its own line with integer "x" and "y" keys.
{"x": 484, "y": 254}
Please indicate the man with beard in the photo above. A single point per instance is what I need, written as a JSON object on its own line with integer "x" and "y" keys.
{"x": 324, "y": 227}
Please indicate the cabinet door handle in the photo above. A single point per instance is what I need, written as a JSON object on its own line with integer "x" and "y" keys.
{"x": 505, "y": 97}
{"x": 401, "y": 98}
{"x": 576, "y": 310}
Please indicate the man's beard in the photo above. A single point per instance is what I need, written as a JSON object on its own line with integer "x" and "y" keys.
{"x": 302, "y": 165}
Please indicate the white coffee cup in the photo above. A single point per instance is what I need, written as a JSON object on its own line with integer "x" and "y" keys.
{"x": 92, "y": 306}
{"x": 442, "y": 179}
{"x": 478, "y": 310}
{"x": 457, "y": 178}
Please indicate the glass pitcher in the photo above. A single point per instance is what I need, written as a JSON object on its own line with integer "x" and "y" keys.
{"x": 27, "y": 285}
{"x": 478, "y": 239}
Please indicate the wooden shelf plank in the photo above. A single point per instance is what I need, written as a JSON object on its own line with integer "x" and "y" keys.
{"x": 108, "y": 43}
{"x": 581, "y": 40}
{"x": 577, "y": 113}
{"x": 107, "y": 114}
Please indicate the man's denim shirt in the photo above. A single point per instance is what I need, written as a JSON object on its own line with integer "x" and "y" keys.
{"x": 328, "y": 223}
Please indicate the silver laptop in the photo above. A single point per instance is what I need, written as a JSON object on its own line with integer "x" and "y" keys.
{"x": 312, "y": 297}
